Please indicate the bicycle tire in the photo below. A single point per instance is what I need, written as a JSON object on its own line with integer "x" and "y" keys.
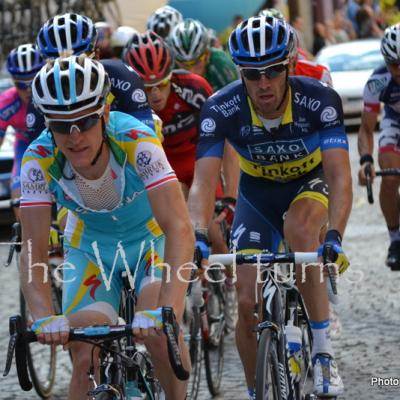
{"x": 43, "y": 371}
{"x": 192, "y": 337}
{"x": 214, "y": 345}
{"x": 267, "y": 368}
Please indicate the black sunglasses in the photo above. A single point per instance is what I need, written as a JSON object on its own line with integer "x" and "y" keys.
{"x": 23, "y": 85}
{"x": 82, "y": 124}
{"x": 254, "y": 74}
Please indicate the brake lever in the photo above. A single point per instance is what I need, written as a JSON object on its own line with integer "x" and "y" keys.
{"x": 10, "y": 353}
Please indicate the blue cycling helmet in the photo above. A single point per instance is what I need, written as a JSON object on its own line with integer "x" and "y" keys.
{"x": 24, "y": 61}
{"x": 261, "y": 40}
{"x": 70, "y": 32}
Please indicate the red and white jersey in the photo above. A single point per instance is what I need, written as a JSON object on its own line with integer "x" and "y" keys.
{"x": 313, "y": 70}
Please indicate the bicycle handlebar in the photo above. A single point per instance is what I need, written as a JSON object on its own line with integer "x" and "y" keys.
{"x": 20, "y": 338}
{"x": 383, "y": 172}
{"x": 264, "y": 258}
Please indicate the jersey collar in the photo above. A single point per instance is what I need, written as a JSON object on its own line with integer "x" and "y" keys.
{"x": 287, "y": 117}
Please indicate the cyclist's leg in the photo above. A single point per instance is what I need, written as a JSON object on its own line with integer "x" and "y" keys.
{"x": 254, "y": 229}
{"x": 147, "y": 287}
{"x": 306, "y": 215}
{"x": 86, "y": 301}
{"x": 389, "y": 157}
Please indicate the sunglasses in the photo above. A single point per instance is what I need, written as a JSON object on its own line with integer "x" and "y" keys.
{"x": 159, "y": 85}
{"x": 83, "y": 123}
{"x": 191, "y": 63}
{"x": 23, "y": 85}
{"x": 270, "y": 72}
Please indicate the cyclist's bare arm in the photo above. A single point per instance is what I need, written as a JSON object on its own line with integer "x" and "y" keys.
{"x": 366, "y": 139}
{"x": 35, "y": 223}
{"x": 202, "y": 192}
{"x": 170, "y": 211}
{"x": 231, "y": 171}
{"x": 337, "y": 171}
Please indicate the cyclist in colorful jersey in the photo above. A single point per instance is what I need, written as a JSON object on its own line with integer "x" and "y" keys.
{"x": 292, "y": 144}
{"x": 76, "y": 34}
{"x": 109, "y": 170}
{"x": 176, "y": 96}
{"x": 163, "y": 20}
{"x": 383, "y": 86}
{"x": 23, "y": 63}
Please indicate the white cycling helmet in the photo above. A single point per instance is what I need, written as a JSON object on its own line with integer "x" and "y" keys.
{"x": 189, "y": 40}
{"x": 69, "y": 85}
{"x": 390, "y": 44}
{"x": 163, "y": 20}
{"x": 121, "y": 36}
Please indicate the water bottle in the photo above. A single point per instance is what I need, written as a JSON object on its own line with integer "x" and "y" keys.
{"x": 196, "y": 294}
{"x": 132, "y": 391}
{"x": 294, "y": 341}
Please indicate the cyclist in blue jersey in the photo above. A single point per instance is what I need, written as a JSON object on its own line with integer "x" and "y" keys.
{"x": 76, "y": 34}
{"x": 125, "y": 205}
{"x": 292, "y": 145}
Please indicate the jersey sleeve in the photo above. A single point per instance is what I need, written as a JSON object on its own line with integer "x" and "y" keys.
{"x": 372, "y": 91}
{"x": 127, "y": 92}
{"x": 332, "y": 132}
{"x": 212, "y": 128}
{"x": 34, "y": 188}
{"x": 151, "y": 163}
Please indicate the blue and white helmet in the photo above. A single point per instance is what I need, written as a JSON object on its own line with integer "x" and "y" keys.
{"x": 69, "y": 85}
{"x": 261, "y": 40}
{"x": 69, "y": 32}
{"x": 390, "y": 44}
{"x": 24, "y": 61}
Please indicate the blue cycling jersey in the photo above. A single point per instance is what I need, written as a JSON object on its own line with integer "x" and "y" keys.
{"x": 312, "y": 122}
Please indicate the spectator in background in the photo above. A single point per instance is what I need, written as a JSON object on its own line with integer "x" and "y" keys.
{"x": 342, "y": 28}
{"x": 352, "y": 8}
{"x": 224, "y": 36}
{"x": 366, "y": 21}
{"x": 322, "y": 36}
{"x": 390, "y": 10}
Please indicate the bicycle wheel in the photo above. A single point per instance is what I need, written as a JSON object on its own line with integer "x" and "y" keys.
{"x": 41, "y": 360}
{"x": 214, "y": 344}
{"x": 267, "y": 368}
{"x": 192, "y": 337}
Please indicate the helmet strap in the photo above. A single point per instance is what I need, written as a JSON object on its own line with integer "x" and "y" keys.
{"x": 104, "y": 140}
{"x": 286, "y": 88}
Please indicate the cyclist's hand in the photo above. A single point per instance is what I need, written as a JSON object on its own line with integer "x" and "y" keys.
{"x": 228, "y": 211}
{"x": 366, "y": 168}
{"x": 331, "y": 251}
{"x": 147, "y": 323}
{"x": 53, "y": 329}
{"x": 203, "y": 245}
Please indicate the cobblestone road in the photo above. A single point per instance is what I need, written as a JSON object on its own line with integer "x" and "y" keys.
{"x": 369, "y": 310}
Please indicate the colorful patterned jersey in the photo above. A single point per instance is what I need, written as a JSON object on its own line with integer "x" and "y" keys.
{"x": 181, "y": 113}
{"x": 12, "y": 113}
{"x": 312, "y": 122}
{"x": 220, "y": 69}
{"x": 138, "y": 164}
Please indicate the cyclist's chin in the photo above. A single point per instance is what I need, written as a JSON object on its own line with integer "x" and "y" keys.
{"x": 80, "y": 158}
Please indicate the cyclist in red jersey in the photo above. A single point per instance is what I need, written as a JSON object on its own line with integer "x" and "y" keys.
{"x": 175, "y": 95}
